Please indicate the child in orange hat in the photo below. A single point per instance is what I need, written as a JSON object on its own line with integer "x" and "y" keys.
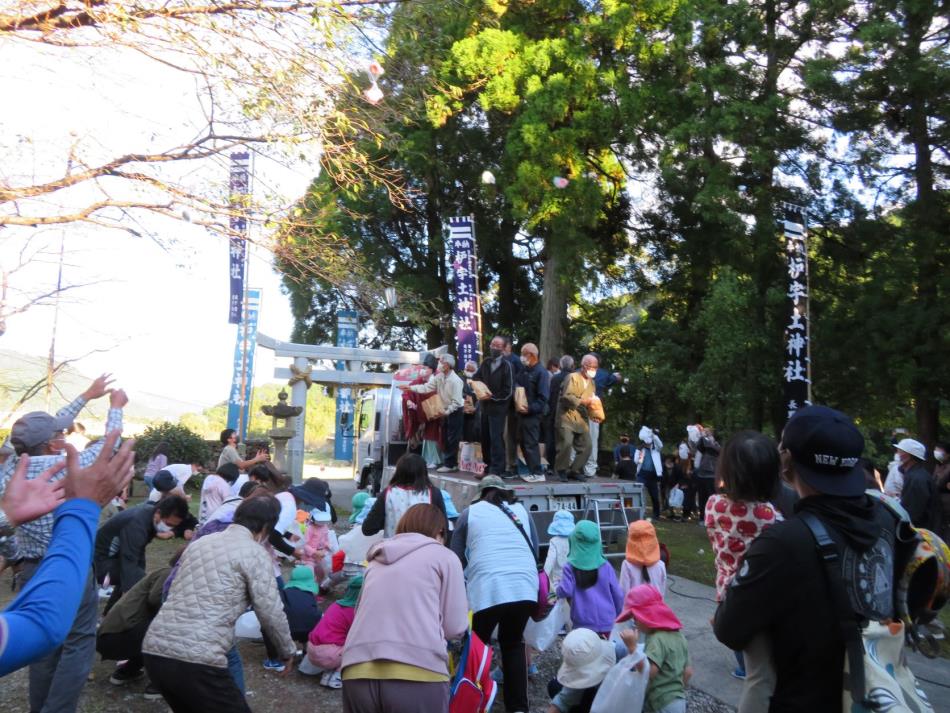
{"x": 642, "y": 564}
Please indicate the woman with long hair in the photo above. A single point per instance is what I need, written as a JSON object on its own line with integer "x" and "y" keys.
{"x": 410, "y": 485}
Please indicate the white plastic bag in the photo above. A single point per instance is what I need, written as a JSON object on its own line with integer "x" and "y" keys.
{"x": 539, "y": 635}
{"x": 676, "y": 498}
{"x": 624, "y": 688}
{"x": 248, "y": 627}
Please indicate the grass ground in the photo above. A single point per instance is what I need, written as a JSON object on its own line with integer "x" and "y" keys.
{"x": 690, "y": 554}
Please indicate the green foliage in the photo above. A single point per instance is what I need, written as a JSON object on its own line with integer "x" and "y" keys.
{"x": 184, "y": 445}
{"x": 320, "y": 415}
{"x": 682, "y": 127}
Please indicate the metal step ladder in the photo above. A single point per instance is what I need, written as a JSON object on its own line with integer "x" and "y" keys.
{"x": 610, "y": 525}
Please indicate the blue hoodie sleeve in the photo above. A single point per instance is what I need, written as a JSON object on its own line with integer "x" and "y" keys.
{"x": 38, "y": 620}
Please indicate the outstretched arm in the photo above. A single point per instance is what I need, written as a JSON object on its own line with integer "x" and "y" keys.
{"x": 39, "y": 619}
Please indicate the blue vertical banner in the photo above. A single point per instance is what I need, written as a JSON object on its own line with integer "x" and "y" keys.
{"x": 467, "y": 314}
{"x": 347, "y": 330}
{"x": 239, "y": 186}
{"x": 796, "y": 369}
{"x": 244, "y": 347}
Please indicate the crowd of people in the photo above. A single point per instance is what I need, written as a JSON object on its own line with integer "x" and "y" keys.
{"x": 513, "y": 402}
{"x": 418, "y": 575}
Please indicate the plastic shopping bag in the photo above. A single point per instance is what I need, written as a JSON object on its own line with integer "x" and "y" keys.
{"x": 539, "y": 635}
{"x": 248, "y": 627}
{"x": 624, "y": 688}
{"x": 676, "y": 498}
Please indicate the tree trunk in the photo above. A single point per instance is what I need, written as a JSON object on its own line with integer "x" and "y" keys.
{"x": 553, "y": 310}
{"x": 926, "y": 230}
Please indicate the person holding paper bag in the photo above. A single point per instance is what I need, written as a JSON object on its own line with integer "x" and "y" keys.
{"x": 497, "y": 374}
{"x": 536, "y": 384}
{"x": 447, "y": 386}
{"x": 572, "y": 414}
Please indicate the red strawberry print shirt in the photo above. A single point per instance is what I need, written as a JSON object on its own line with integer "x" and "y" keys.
{"x": 731, "y": 527}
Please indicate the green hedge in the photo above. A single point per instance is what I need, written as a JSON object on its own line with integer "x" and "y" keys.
{"x": 184, "y": 445}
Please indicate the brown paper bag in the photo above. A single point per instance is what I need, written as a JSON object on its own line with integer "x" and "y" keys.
{"x": 595, "y": 410}
{"x": 521, "y": 400}
{"x": 482, "y": 392}
{"x": 433, "y": 407}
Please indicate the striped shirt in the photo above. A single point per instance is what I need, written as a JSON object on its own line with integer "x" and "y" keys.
{"x": 32, "y": 538}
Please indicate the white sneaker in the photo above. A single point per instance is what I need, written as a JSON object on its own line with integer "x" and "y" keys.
{"x": 444, "y": 469}
{"x": 104, "y": 592}
{"x": 333, "y": 680}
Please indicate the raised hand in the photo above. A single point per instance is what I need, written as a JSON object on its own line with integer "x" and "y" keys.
{"x": 107, "y": 475}
{"x": 118, "y": 399}
{"x": 26, "y": 500}
{"x": 98, "y": 388}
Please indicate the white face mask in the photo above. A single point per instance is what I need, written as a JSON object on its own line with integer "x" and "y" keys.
{"x": 162, "y": 526}
{"x": 469, "y": 374}
{"x": 524, "y": 360}
{"x": 591, "y": 373}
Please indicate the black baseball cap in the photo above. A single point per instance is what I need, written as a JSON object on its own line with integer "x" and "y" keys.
{"x": 164, "y": 481}
{"x": 826, "y": 448}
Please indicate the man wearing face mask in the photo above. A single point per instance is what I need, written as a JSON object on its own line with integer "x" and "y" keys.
{"x": 573, "y": 433}
{"x": 57, "y": 680}
{"x": 449, "y": 386}
{"x": 497, "y": 374}
{"x": 121, "y": 541}
{"x": 537, "y": 385}
{"x": 603, "y": 382}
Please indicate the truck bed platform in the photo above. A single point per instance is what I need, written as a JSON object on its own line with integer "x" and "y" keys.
{"x": 542, "y": 500}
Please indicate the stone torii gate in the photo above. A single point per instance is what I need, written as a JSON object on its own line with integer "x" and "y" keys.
{"x": 301, "y": 376}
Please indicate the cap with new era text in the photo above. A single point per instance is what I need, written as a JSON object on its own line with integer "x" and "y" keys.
{"x": 826, "y": 448}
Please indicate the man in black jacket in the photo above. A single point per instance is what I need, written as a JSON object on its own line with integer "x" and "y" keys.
{"x": 497, "y": 374}
{"x": 121, "y": 541}
{"x": 781, "y": 593}
{"x": 513, "y": 421}
{"x": 919, "y": 494}
{"x": 537, "y": 384}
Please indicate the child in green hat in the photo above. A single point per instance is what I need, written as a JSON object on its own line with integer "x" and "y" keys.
{"x": 589, "y": 581}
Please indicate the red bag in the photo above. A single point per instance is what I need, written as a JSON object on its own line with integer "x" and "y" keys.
{"x": 473, "y": 690}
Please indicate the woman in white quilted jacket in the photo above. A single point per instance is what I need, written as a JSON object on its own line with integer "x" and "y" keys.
{"x": 219, "y": 576}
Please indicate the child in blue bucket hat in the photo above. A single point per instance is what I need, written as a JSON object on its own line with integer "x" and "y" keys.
{"x": 560, "y": 529}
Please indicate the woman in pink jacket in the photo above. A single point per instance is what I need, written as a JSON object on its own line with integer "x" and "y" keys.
{"x": 413, "y": 601}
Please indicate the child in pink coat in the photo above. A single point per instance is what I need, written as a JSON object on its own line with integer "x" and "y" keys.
{"x": 325, "y": 645}
{"x": 319, "y": 544}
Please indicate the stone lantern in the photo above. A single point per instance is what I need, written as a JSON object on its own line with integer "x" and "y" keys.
{"x": 281, "y": 433}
